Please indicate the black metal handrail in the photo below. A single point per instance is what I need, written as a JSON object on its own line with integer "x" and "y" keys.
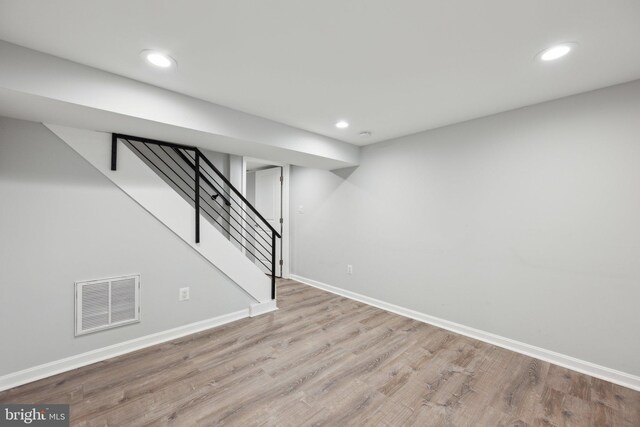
{"x": 206, "y": 203}
{"x": 189, "y": 161}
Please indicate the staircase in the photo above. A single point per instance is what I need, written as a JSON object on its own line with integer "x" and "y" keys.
{"x": 183, "y": 189}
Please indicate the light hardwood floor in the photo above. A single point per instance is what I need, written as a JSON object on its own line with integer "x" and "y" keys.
{"x": 326, "y": 360}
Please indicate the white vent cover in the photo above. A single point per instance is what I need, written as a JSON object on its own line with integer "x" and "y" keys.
{"x": 107, "y": 303}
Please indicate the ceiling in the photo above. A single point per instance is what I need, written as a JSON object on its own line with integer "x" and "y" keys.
{"x": 388, "y": 67}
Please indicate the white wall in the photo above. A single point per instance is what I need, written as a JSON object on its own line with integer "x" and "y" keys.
{"x": 61, "y": 221}
{"x": 525, "y": 224}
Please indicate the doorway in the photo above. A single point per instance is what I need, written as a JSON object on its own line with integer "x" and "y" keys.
{"x": 266, "y": 188}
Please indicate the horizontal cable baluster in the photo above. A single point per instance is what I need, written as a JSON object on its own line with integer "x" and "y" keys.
{"x": 192, "y": 188}
{"x": 237, "y": 218}
{"x": 256, "y": 223}
{"x": 213, "y": 197}
{"x": 192, "y": 166}
{"x": 161, "y": 171}
{"x": 238, "y": 231}
{"x": 234, "y": 238}
{"x": 255, "y": 228}
{"x": 262, "y": 239}
{"x": 205, "y": 200}
{"x": 237, "y": 193}
{"x": 231, "y": 236}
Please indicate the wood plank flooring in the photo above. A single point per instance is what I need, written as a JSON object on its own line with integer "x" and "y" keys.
{"x": 326, "y": 360}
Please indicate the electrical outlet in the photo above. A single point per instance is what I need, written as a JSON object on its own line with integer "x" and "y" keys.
{"x": 183, "y": 295}
{"x": 349, "y": 269}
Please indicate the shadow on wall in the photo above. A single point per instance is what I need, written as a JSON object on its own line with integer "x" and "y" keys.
{"x": 344, "y": 173}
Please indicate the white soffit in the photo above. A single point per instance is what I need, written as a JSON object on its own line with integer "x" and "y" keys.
{"x": 40, "y": 87}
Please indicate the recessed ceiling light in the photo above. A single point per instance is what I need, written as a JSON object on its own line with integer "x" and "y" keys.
{"x": 556, "y": 52}
{"x": 365, "y": 134}
{"x": 158, "y": 59}
{"x": 342, "y": 124}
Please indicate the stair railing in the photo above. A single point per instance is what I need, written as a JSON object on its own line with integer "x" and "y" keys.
{"x": 212, "y": 195}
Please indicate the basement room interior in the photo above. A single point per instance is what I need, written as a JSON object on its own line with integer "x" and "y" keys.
{"x": 335, "y": 213}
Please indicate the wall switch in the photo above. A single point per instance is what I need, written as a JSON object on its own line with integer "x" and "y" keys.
{"x": 301, "y": 209}
{"x": 349, "y": 269}
{"x": 183, "y": 294}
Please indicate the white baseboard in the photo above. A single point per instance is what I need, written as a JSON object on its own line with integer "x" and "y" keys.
{"x": 617, "y": 377}
{"x": 262, "y": 307}
{"x": 52, "y": 368}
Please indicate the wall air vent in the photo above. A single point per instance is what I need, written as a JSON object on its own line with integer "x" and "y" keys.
{"x": 107, "y": 303}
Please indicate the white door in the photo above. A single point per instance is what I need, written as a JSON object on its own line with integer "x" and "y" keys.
{"x": 269, "y": 204}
